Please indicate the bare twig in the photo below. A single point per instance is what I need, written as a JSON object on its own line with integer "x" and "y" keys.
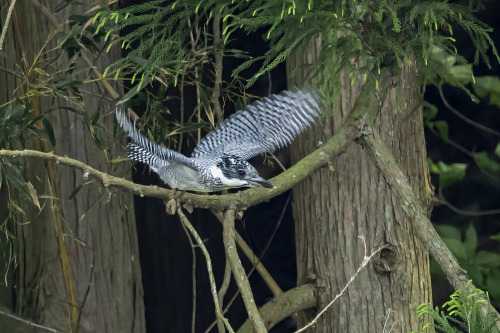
{"x": 261, "y": 269}
{"x": 238, "y": 270}
{"x": 441, "y": 199}
{"x": 219, "y": 54}
{"x": 464, "y": 118}
{"x": 25, "y": 323}
{"x": 213, "y": 286}
{"x": 468, "y": 153}
{"x": 365, "y": 262}
{"x": 7, "y": 21}
{"x": 89, "y": 286}
{"x": 193, "y": 278}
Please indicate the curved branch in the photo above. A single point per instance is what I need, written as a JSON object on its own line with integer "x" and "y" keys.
{"x": 365, "y": 106}
{"x": 464, "y": 118}
{"x": 294, "y": 300}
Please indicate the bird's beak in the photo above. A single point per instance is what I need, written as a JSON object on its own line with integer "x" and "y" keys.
{"x": 259, "y": 181}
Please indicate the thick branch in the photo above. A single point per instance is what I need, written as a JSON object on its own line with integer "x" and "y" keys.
{"x": 294, "y": 300}
{"x": 239, "y": 272}
{"x": 401, "y": 188}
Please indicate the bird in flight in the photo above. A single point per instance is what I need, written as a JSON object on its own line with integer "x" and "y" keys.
{"x": 219, "y": 161}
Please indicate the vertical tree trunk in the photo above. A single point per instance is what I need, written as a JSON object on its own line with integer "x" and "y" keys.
{"x": 78, "y": 258}
{"x": 333, "y": 208}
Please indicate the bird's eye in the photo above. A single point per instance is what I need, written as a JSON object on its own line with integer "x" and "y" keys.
{"x": 241, "y": 173}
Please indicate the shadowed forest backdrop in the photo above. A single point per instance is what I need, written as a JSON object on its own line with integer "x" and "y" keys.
{"x": 84, "y": 257}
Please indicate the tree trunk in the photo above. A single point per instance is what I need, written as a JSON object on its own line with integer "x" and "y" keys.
{"x": 78, "y": 258}
{"x": 333, "y": 208}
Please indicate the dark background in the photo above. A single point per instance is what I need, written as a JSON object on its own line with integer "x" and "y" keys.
{"x": 165, "y": 251}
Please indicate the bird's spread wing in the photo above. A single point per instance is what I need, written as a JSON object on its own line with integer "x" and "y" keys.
{"x": 146, "y": 151}
{"x": 266, "y": 125}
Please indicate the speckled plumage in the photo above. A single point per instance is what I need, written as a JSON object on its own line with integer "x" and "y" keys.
{"x": 219, "y": 161}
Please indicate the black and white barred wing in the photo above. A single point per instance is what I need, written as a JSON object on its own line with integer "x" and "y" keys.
{"x": 264, "y": 126}
{"x": 146, "y": 151}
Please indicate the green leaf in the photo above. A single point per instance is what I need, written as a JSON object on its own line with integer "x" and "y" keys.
{"x": 474, "y": 273}
{"x": 496, "y": 237}
{"x": 497, "y": 150}
{"x": 470, "y": 242}
{"x": 135, "y": 90}
{"x": 488, "y": 259}
{"x": 486, "y": 163}
{"x": 493, "y": 286}
{"x": 49, "y": 130}
{"x": 75, "y": 191}
{"x": 15, "y": 178}
{"x": 447, "y": 231}
{"x": 449, "y": 174}
{"x": 442, "y": 127}
{"x": 95, "y": 117}
{"x": 433, "y": 168}
{"x": 462, "y": 73}
{"x": 488, "y": 85}
{"x": 64, "y": 84}
{"x": 456, "y": 247}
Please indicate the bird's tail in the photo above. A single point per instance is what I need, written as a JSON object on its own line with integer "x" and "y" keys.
{"x": 144, "y": 150}
{"x": 138, "y": 153}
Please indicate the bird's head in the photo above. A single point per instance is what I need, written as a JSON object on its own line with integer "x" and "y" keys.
{"x": 236, "y": 172}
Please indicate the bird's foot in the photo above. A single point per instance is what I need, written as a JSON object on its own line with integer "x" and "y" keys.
{"x": 178, "y": 194}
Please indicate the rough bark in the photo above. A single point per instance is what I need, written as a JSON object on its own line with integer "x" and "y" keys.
{"x": 100, "y": 289}
{"x": 334, "y": 207}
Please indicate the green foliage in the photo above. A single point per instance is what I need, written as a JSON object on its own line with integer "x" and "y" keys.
{"x": 448, "y": 174}
{"x": 17, "y": 125}
{"x": 482, "y": 266}
{"x": 488, "y": 86}
{"x": 463, "y": 313}
{"x": 159, "y": 34}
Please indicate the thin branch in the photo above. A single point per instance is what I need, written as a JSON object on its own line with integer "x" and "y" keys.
{"x": 21, "y": 324}
{"x": 411, "y": 206}
{"x": 219, "y": 54}
{"x": 7, "y": 21}
{"x": 222, "y": 291}
{"x": 213, "y": 286}
{"x": 193, "y": 278}
{"x": 453, "y": 144}
{"x": 87, "y": 292}
{"x": 466, "y": 152}
{"x": 240, "y": 276}
{"x": 257, "y": 264}
{"x": 181, "y": 89}
{"x": 45, "y": 11}
{"x": 441, "y": 199}
{"x": 365, "y": 262}
{"x": 283, "y": 306}
{"x": 464, "y": 118}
